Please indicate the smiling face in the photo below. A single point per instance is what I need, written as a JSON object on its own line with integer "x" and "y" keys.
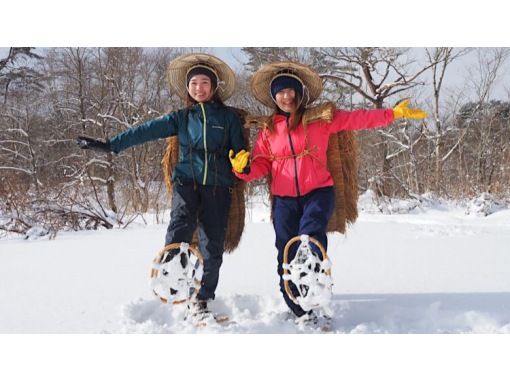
{"x": 200, "y": 88}
{"x": 286, "y": 100}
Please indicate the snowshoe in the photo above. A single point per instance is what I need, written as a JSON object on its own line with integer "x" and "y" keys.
{"x": 176, "y": 273}
{"x": 309, "y": 272}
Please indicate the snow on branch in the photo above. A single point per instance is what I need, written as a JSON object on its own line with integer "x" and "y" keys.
{"x": 30, "y": 172}
{"x": 111, "y": 117}
{"x": 93, "y": 121}
{"x": 16, "y": 153}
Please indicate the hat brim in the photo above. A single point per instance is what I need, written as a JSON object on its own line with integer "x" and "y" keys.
{"x": 261, "y": 80}
{"x": 179, "y": 67}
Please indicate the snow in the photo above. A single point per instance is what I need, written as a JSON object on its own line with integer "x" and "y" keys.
{"x": 431, "y": 270}
{"x": 435, "y": 270}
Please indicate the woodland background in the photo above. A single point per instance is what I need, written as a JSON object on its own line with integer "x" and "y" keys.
{"x": 50, "y": 96}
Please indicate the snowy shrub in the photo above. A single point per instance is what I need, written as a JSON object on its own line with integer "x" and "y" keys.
{"x": 36, "y": 232}
{"x": 367, "y": 202}
{"x": 483, "y": 205}
{"x": 371, "y": 203}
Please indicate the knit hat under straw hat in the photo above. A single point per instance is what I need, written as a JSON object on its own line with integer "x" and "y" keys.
{"x": 262, "y": 79}
{"x": 179, "y": 69}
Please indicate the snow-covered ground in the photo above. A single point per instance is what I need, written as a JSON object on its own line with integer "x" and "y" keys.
{"x": 434, "y": 269}
{"x": 427, "y": 267}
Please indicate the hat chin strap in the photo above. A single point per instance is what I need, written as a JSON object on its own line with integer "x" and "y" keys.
{"x": 307, "y": 93}
{"x": 219, "y": 86}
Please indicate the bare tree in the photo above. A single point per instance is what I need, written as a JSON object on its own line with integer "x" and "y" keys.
{"x": 20, "y": 142}
{"x": 375, "y": 75}
{"x": 98, "y": 92}
{"x": 443, "y": 57}
{"x": 485, "y": 135}
{"x": 259, "y": 56}
{"x": 128, "y": 82}
{"x": 16, "y": 68}
{"x": 49, "y": 98}
{"x": 20, "y": 117}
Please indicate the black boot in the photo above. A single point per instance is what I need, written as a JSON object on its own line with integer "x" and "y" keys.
{"x": 198, "y": 310}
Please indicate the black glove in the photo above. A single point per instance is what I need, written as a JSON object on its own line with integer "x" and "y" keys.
{"x": 85, "y": 142}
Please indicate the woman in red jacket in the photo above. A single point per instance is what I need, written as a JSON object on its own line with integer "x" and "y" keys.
{"x": 295, "y": 155}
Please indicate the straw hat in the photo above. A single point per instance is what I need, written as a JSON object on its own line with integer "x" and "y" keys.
{"x": 261, "y": 81}
{"x": 179, "y": 68}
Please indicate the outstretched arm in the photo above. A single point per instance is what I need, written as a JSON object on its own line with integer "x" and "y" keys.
{"x": 161, "y": 127}
{"x": 365, "y": 119}
{"x": 360, "y": 119}
{"x": 151, "y": 130}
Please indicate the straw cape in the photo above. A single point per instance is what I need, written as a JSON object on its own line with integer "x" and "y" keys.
{"x": 235, "y": 223}
{"x": 261, "y": 80}
{"x": 342, "y": 158}
{"x": 176, "y": 77}
{"x": 179, "y": 68}
{"x": 342, "y": 153}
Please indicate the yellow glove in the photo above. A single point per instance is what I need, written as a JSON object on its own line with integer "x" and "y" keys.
{"x": 401, "y": 110}
{"x": 240, "y": 161}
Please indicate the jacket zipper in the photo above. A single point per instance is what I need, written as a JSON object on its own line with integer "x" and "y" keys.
{"x": 205, "y": 144}
{"x": 295, "y": 160}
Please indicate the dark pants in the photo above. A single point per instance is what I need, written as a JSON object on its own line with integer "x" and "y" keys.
{"x": 293, "y": 216}
{"x": 207, "y": 206}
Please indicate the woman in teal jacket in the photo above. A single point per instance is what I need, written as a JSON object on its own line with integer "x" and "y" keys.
{"x": 202, "y": 178}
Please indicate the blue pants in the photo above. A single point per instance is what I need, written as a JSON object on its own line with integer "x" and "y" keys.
{"x": 207, "y": 206}
{"x": 308, "y": 214}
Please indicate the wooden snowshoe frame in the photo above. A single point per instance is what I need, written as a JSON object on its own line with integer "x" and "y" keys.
{"x": 158, "y": 260}
{"x": 286, "y": 262}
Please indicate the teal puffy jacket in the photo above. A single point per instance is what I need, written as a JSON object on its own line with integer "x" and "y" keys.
{"x": 206, "y": 131}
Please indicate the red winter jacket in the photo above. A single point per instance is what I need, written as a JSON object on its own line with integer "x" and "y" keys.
{"x": 298, "y": 161}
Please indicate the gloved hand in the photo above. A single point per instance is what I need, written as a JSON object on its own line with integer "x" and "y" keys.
{"x": 240, "y": 161}
{"x": 85, "y": 142}
{"x": 401, "y": 110}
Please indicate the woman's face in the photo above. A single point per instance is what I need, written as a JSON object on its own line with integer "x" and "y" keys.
{"x": 200, "y": 88}
{"x": 286, "y": 100}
